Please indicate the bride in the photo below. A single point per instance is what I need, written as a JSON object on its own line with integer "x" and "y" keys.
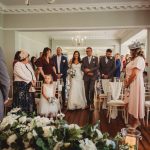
{"x": 77, "y": 99}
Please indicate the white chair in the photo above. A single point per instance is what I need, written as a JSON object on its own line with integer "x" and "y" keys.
{"x": 99, "y": 96}
{"x": 117, "y": 104}
{"x": 147, "y": 101}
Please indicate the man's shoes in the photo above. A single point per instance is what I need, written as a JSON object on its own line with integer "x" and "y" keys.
{"x": 92, "y": 107}
{"x": 87, "y": 107}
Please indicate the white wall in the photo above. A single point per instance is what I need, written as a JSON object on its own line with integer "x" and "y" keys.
{"x": 84, "y": 20}
{"x": 33, "y": 42}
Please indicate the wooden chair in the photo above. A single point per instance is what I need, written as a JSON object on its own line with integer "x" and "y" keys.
{"x": 38, "y": 91}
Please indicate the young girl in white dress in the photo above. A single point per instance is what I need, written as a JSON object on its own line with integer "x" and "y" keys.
{"x": 49, "y": 104}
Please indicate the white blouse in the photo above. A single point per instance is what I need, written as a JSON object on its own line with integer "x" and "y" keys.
{"x": 23, "y": 72}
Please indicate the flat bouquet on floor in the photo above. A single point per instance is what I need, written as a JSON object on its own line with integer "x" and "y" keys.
{"x": 18, "y": 131}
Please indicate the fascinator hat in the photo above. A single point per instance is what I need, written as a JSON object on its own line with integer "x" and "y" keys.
{"x": 135, "y": 45}
{"x": 23, "y": 55}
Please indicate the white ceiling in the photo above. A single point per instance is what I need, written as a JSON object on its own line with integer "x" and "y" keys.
{"x": 44, "y": 2}
{"x": 63, "y": 6}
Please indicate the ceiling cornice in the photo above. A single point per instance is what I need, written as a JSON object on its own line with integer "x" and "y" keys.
{"x": 95, "y": 7}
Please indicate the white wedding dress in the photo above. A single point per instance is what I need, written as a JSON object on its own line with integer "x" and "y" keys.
{"x": 45, "y": 107}
{"x": 77, "y": 99}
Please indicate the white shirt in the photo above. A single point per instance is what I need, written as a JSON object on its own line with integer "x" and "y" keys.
{"x": 58, "y": 62}
{"x": 89, "y": 59}
{"x": 21, "y": 73}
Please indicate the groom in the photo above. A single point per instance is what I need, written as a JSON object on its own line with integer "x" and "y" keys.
{"x": 90, "y": 69}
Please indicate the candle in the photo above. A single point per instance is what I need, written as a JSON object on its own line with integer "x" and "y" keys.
{"x": 131, "y": 141}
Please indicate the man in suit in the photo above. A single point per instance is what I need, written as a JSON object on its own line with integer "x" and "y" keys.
{"x": 107, "y": 65}
{"x": 90, "y": 69}
{"x": 4, "y": 84}
{"x": 61, "y": 65}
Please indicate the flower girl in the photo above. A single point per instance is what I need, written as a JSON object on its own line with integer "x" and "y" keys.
{"x": 49, "y": 104}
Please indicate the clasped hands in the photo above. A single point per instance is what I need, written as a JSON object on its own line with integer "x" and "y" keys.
{"x": 126, "y": 83}
{"x": 88, "y": 72}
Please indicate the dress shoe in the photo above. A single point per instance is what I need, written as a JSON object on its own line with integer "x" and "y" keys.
{"x": 92, "y": 107}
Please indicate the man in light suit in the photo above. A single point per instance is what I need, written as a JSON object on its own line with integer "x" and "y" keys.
{"x": 4, "y": 84}
{"x": 90, "y": 69}
{"x": 61, "y": 65}
{"x": 107, "y": 65}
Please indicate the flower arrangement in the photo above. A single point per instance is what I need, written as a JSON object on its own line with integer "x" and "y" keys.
{"x": 72, "y": 72}
{"x": 19, "y": 131}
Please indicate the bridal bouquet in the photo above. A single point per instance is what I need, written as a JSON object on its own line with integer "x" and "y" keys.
{"x": 72, "y": 72}
{"x": 21, "y": 132}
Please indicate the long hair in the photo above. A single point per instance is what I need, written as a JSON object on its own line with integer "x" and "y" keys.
{"x": 79, "y": 58}
{"x": 137, "y": 52}
{"x": 45, "y": 50}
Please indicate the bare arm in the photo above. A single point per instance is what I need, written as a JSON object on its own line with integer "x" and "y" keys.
{"x": 41, "y": 71}
{"x": 44, "y": 93}
{"x": 133, "y": 75}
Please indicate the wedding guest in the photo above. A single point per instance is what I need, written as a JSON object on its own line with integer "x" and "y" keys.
{"x": 16, "y": 58}
{"x": 89, "y": 67}
{"x": 77, "y": 99}
{"x": 134, "y": 81}
{"x": 45, "y": 65}
{"x": 24, "y": 80}
{"x": 48, "y": 105}
{"x": 107, "y": 65}
{"x": 4, "y": 84}
{"x": 33, "y": 60}
{"x": 118, "y": 65}
{"x": 61, "y": 65}
{"x": 145, "y": 76}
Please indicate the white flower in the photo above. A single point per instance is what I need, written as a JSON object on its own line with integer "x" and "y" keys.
{"x": 15, "y": 110}
{"x": 71, "y": 126}
{"x": 99, "y": 134}
{"x": 23, "y": 119}
{"x": 58, "y": 146}
{"x": 8, "y": 120}
{"x": 87, "y": 144}
{"x": 110, "y": 142}
{"x": 29, "y": 136}
{"x": 61, "y": 116}
{"x": 41, "y": 121}
{"x": 11, "y": 139}
{"x": 64, "y": 61}
{"x": 34, "y": 133}
{"x": 47, "y": 131}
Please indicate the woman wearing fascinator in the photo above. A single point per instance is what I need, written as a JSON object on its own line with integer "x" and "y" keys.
{"x": 24, "y": 81}
{"x": 135, "y": 84}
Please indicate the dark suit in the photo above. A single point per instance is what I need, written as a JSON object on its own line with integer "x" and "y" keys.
{"x": 107, "y": 68}
{"x": 63, "y": 72}
{"x": 4, "y": 83}
{"x": 89, "y": 81}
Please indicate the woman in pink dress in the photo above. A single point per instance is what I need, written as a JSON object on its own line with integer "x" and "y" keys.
{"x": 134, "y": 81}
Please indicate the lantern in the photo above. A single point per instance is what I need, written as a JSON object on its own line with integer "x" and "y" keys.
{"x": 131, "y": 137}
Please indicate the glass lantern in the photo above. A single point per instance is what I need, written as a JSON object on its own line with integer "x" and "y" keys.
{"x": 131, "y": 137}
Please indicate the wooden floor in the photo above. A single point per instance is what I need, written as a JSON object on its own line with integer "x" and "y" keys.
{"x": 83, "y": 117}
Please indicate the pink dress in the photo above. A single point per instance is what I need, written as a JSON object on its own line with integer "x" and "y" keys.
{"x": 137, "y": 91}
